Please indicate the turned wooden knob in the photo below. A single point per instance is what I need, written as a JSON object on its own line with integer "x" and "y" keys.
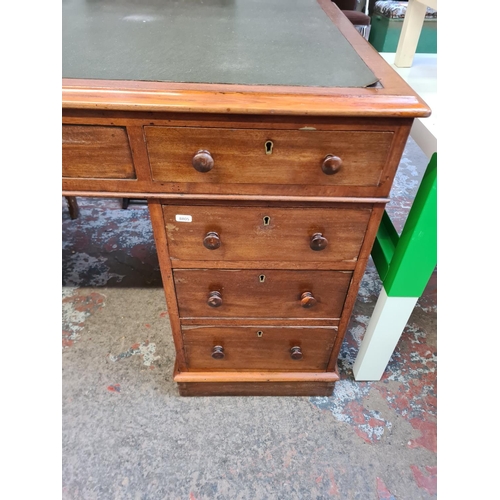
{"x": 296, "y": 352}
{"x": 218, "y": 352}
{"x": 318, "y": 242}
{"x": 214, "y": 299}
{"x": 211, "y": 240}
{"x": 331, "y": 164}
{"x": 307, "y": 300}
{"x": 203, "y": 161}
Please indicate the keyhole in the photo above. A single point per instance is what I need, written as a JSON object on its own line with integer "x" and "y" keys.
{"x": 260, "y": 333}
{"x": 262, "y": 278}
{"x": 266, "y": 220}
{"x": 269, "y": 147}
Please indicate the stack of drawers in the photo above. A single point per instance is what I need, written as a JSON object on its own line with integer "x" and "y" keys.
{"x": 264, "y": 286}
{"x": 238, "y": 312}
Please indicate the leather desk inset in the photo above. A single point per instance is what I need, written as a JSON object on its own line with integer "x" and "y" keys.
{"x": 266, "y": 155}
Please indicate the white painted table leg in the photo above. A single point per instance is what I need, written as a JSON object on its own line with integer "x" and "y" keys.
{"x": 410, "y": 33}
{"x": 388, "y": 321}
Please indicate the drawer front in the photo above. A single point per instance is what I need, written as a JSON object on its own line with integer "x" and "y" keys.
{"x": 252, "y": 293}
{"x": 96, "y": 152}
{"x": 275, "y": 157}
{"x": 252, "y": 348}
{"x": 213, "y": 233}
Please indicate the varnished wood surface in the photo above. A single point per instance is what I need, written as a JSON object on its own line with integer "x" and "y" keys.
{"x": 145, "y": 187}
{"x": 245, "y": 350}
{"x": 260, "y": 322}
{"x": 240, "y": 156}
{"x": 257, "y": 376}
{"x": 223, "y": 120}
{"x": 260, "y": 293}
{"x": 97, "y": 152}
{"x": 156, "y": 215}
{"x": 232, "y": 99}
{"x": 244, "y": 235}
{"x": 197, "y": 199}
{"x": 140, "y": 155}
{"x": 344, "y": 265}
{"x": 264, "y": 192}
{"x": 194, "y": 389}
{"x": 256, "y": 383}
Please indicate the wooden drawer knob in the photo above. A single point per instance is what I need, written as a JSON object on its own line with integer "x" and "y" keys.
{"x": 203, "y": 161}
{"x": 307, "y": 300}
{"x": 218, "y": 352}
{"x": 331, "y": 164}
{"x": 211, "y": 240}
{"x": 318, "y": 242}
{"x": 214, "y": 299}
{"x": 296, "y": 352}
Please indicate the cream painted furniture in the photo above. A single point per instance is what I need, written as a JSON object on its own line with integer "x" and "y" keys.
{"x": 412, "y": 27}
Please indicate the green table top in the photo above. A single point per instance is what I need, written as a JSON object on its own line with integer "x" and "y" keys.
{"x": 248, "y": 42}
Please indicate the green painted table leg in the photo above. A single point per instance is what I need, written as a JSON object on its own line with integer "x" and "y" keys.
{"x": 405, "y": 265}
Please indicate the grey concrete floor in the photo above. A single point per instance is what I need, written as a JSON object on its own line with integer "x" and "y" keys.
{"x": 128, "y": 435}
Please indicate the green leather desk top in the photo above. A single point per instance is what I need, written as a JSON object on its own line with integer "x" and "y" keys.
{"x": 248, "y": 42}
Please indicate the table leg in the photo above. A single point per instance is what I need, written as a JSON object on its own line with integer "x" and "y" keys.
{"x": 410, "y": 33}
{"x": 405, "y": 265}
{"x": 389, "y": 319}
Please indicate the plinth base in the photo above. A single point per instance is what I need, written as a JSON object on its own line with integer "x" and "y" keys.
{"x": 256, "y": 383}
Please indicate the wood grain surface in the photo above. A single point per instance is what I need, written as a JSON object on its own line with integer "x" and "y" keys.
{"x": 258, "y": 376}
{"x": 241, "y": 157}
{"x": 260, "y": 293}
{"x": 256, "y": 389}
{"x": 94, "y": 151}
{"x": 246, "y": 349}
{"x": 156, "y": 214}
{"x": 244, "y": 235}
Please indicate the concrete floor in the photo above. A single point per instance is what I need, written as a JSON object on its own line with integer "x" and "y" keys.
{"x": 128, "y": 435}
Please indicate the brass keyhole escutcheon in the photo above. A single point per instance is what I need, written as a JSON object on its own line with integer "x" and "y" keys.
{"x": 260, "y": 333}
{"x": 267, "y": 220}
{"x": 268, "y": 146}
{"x": 262, "y": 278}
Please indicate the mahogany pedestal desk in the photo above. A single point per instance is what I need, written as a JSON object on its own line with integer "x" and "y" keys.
{"x": 265, "y": 136}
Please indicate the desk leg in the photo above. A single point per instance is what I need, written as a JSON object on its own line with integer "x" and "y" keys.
{"x": 74, "y": 210}
{"x": 410, "y": 33}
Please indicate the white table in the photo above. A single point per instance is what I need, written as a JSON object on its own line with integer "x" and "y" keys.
{"x": 422, "y": 77}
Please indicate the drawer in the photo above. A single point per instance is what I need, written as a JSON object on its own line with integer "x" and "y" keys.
{"x": 214, "y": 293}
{"x": 235, "y": 233}
{"x": 96, "y": 152}
{"x": 275, "y": 157}
{"x": 252, "y": 348}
